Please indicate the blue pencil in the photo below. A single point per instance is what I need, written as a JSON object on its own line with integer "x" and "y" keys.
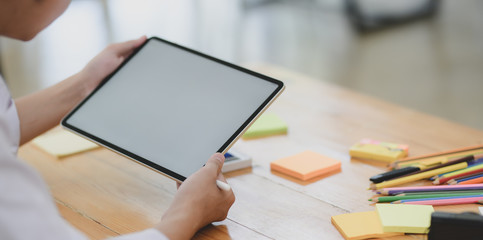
{"x": 462, "y": 179}
{"x": 468, "y": 177}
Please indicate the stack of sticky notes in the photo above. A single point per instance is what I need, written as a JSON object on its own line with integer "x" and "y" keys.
{"x": 388, "y": 220}
{"x": 377, "y": 150}
{"x": 306, "y": 165}
{"x": 405, "y": 217}
{"x": 61, "y": 143}
{"x": 360, "y": 225}
{"x": 268, "y": 124}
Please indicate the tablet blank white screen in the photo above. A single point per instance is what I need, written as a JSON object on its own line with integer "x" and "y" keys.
{"x": 172, "y": 107}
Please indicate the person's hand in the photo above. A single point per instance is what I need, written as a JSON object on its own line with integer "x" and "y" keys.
{"x": 106, "y": 62}
{"x": 198, "y": 202}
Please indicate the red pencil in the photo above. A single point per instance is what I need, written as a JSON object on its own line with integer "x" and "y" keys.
{"x": 446, "y": 179}
{"x": 473, "y": 181}
{"x": 447, "y": 201}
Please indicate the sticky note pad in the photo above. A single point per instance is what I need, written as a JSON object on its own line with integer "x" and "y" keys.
{"x": 266, "y": 125}
{"x": 360, "y": 225}
{"x": 305, "y": 165}
{"x": 62, "y": 143}
{"x": 405, "y": 218}
{"x": 377, "y": 150}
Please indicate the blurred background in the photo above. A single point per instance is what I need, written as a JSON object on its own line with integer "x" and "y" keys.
{"x": 422, "y": 54}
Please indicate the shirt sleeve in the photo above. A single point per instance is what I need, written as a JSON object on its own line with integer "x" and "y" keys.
{"x": 27, "y": 210}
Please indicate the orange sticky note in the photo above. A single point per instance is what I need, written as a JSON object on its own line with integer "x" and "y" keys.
{"x": 305, "y": 165}
{"x": 360, "y": 225}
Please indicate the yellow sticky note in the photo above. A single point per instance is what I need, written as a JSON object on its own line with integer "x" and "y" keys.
{"x": 306, "y": 165}
{"x": 266, "y": 125}
{"x": 377, "y": 150}
{"x": 62, "y": 143}
{"x": 405, "y": 218}
{"x": 360, "y": 225}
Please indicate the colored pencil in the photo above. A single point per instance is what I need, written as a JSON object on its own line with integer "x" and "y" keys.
{"x": 419, "y": 176}
{"x": 470, "y": 164}
{"x": 472, "y": 181}
{"x": 440, "y": 192}
{"x": 446, "y": 179}
{"x": 469, "y": 176}
{"x": 429, "y": 187}
{"x": 478, "y": 160}
{"x": 441, "y": 198}
{"x": 421, "y": 196}
{"x": 447, "y": 201}
{"x": 465, "y": 170}
{"x": 398, "y": 190}
{"x": 458, "y": 180}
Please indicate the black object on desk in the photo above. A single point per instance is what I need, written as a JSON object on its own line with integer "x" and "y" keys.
{"x": 450, "y": 226}
{"x": 393, "y": 174}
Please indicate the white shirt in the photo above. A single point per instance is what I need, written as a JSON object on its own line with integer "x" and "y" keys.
{"x": 27, "y": 210}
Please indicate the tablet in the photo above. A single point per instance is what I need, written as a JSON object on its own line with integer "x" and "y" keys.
{"x": 170, "y": 108}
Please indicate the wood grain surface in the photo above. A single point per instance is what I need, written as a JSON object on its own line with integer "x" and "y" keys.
{"x": 104, "y": 194}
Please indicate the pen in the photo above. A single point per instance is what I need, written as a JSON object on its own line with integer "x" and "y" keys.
{"x": 222, "y": 185}
{"x": 393, "y": 174}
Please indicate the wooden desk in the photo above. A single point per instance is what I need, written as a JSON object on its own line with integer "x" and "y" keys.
{"x": 104, "y": 194}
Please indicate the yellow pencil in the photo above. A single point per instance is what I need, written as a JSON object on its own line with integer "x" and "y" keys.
{"x": 419, "y": 176}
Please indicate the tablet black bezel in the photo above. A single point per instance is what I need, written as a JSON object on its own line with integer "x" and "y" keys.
{"x": 176, "y": 176}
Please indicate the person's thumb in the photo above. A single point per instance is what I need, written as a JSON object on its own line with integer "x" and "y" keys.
{"x": 125, "y": 48}
{"x": 215, "y": 162}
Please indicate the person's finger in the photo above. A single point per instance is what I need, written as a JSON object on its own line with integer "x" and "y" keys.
{"x": 178, "y": 185}
{"x": 221, "y": 177}
{"x": 215, "y": 163}
{"x": 125, "y": 48}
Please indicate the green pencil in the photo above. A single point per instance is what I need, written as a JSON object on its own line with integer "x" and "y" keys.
{"x": 397, "y": 198}
{"x": 440, "y": 192}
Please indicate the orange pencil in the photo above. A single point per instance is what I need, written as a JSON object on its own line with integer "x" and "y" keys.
{"x": 473, "y": 181}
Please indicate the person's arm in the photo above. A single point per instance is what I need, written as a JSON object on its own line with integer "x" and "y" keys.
{"x": 43, "y": 110}
{"x": 198, "y": 202}
{"x": 27, "y": 204}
